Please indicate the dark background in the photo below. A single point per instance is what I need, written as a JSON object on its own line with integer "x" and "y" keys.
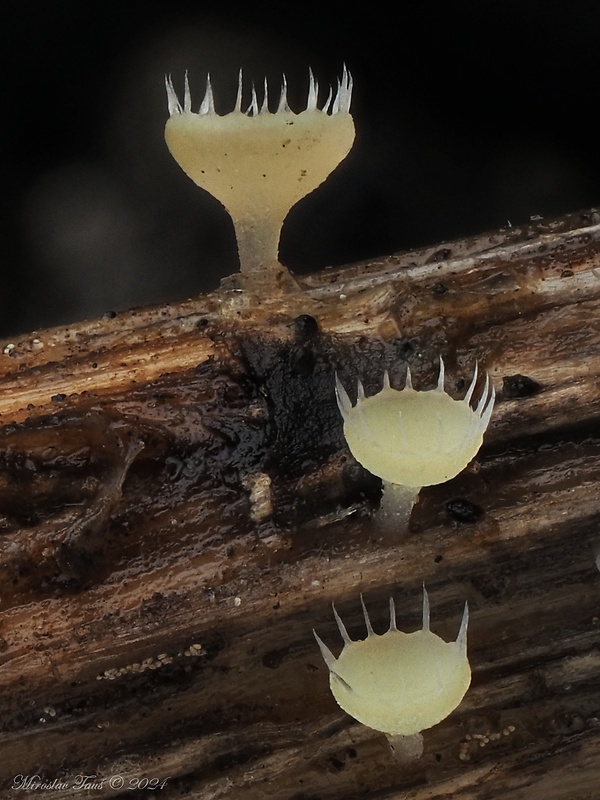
{"x": 469, "y": 116}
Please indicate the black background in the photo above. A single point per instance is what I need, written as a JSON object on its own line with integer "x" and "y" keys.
{"x": 469, "y": 116}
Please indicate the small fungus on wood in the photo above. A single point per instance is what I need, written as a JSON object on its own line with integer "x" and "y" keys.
{"x": 260, "y": 163}
{"x": 412, "y": 439}
{"x": 399, "y": 683}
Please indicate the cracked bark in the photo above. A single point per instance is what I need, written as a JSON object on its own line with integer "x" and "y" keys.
{"x": 178, "y": 510}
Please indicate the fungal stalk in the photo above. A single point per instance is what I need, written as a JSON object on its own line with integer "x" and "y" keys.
{"x": 399, "y": 683}
{"x": 413, "y": 438}
{"x": 260, "y": 163}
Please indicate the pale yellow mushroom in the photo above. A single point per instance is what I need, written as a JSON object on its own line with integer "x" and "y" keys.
{"x": 259, "y": 163}
{"x": 399, "y": 683}
{"x": 412, "y": 439}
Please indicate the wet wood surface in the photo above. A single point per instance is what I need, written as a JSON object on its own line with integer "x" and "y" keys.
{"x": 178, "y": 510}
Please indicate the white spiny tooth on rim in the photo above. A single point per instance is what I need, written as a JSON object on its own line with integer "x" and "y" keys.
{"x": 426, "y": 609}
{"x": 313, "y": 90}
{"x": 208, "y": 103}
{"x": 328, "y": 101}
{"x": 348, "y": 84}
{"x": 172, "y": 99}
{"x": 341, "y": 626}
{"x": 386, "y": 380}
{"x": 187, "y": 97}
{"x": 360, "y": 390}
{"x": 328, "y": 656}
{"x": 408, "y": 381}
{"x": 343, "y": 401}
{"x": 484, "y": 396}
{"x": 392, "y": 615}
{"x": 461, "y": 639}
{"x": 343, "y": 97}
{"x": 283, "y": 106}
{"x": 487, "y": 413}
{"x": 253, "y": 107}
{"x": 336, "y": 106}
{"x": 440, "y": 384}
{"x": 238, "y": 99}
{"x": 471, "y": 389}
{"x": 264, "y": 109}
{"x": 370, "y": 630}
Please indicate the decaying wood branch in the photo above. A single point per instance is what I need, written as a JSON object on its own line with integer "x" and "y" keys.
{"x": 178, "y": 510}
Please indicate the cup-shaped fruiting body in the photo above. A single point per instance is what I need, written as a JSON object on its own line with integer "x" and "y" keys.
{"x": 414, "y": 438}
{"x": 259, "y": 163}
{"x": 399, "y": 683}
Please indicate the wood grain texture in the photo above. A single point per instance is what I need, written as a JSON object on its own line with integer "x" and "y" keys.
{"x": 178, "y": 511}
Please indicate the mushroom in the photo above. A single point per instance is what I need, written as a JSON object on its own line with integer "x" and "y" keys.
{"x": 413, "y": 438}
{"x": 399, "y": 683}
{"x": 259, "y": 163}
